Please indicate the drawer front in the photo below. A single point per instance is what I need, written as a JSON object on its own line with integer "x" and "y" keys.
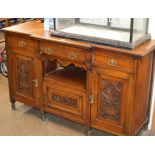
{"x": 21, "y": 42}
{"x": 66, "y": 103}
{"x": 62, "y": 52}
{"x": 113, "y": 61}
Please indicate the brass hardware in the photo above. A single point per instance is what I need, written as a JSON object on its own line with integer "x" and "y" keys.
{"x": 72, "y": 56}
{"x": 91, "y": 99}
{"x": 112, "y": 62}
{"x": 21, "y": 43}
{"x": 36, "y": 83}
{"x": 48, "y": 50}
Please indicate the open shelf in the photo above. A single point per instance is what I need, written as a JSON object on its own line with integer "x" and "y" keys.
{"x": 69, "y": 76}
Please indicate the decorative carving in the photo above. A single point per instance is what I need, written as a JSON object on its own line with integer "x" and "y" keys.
{"x": 24, "y": 84}
{"x": 64, "y": 100}
{"x": 66, "y": 63}
{"x": 63, "y": 62}
{"x": 111, "y": 99}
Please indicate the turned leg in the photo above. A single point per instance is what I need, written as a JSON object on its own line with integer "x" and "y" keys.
{"x": 43, "y": 115}
{"x": 13, "y": 105}
{"x": 89, "y": 131}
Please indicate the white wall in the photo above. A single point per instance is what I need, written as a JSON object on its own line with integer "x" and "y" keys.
{"x": 152, "y": 27}
{"x": 152, "y": 32}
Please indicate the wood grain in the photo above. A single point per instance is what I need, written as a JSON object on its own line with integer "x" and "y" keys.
{"x": 98, "y": 86}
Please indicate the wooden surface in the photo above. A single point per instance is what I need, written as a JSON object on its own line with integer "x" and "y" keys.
{"x": 109, "y": 89}
{"x": 24, "y": 73}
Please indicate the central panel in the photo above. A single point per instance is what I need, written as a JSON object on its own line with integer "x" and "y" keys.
{"x": 65, "y": 92}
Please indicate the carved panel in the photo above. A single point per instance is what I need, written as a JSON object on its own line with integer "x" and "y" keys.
{"x": 64, "y": 100}
{"x": 111, "y": 93}
{"x": 24, "y": 76}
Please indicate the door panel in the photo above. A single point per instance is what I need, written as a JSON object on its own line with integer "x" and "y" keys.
{"x": 110, "y": 96}
{"x": 24, "y": 75}
{"x": 24, "y": 87}
{"x": 64, "y": 102}
{"x": 111, "y": 91}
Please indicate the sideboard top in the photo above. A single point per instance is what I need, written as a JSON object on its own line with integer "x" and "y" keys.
{"x": 36, "y": 30}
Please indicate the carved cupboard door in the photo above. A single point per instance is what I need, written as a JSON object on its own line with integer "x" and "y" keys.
{"x": 112, "y": 92}
{"x": 25, "y": 82}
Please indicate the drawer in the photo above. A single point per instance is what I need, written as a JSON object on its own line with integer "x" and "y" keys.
{"x": 64, "y": 52}
{"x": 113, "y": 61}
{"x": 64, "y": 102}
{"x": 21, "y": 42}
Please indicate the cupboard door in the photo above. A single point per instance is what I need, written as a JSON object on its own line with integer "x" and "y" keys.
{"x": 111, "y": 108}
{"x": 25, "y": 82}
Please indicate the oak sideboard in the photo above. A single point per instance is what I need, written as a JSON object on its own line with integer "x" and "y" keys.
{"x": 101, "y": 87}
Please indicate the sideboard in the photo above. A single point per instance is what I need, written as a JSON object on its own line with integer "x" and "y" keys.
{"x": 98, "y": 86}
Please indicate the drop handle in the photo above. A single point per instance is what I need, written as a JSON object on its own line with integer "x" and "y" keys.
{"x": 36, "y": 83}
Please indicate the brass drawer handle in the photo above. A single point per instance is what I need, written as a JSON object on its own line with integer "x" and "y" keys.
{"x": 21, "y": 43}
{"x": 72, "y": 56}
{"x": 112, "y": 62}
{"x": 48, "y": 50}
{"x": 36, "y": 83}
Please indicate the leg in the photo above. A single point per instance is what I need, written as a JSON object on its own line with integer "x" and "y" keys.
{"x": 13, "y": 105}
{"x": 43, "y": 115}
{"x": 89, "y": 131}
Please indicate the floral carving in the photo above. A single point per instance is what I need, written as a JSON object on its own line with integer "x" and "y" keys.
{"x": 111, "y": 99}
{"x": 64, "y": 100}
{"x": 24, "y": 78}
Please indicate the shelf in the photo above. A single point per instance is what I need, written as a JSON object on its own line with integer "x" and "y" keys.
{"x": 70, "y": 77}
